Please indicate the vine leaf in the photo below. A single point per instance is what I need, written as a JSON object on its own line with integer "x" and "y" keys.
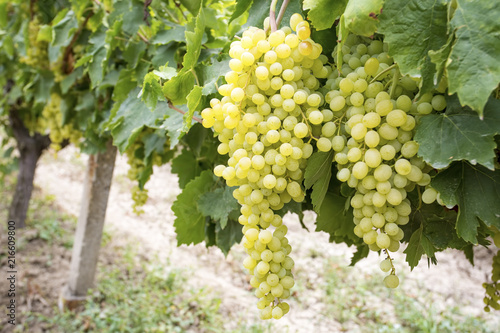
{"x": 362, "y": 252}
{"x": 459, "y": 134}
{"x": 190, "y": 222}
{"x": 186, "y": 167}
{"x": 335, "y": 220}
{"x": 317, "y": 175}
{"x": 323, "y": 13}
{"x": 131, "y": 117}
{"x": 226, "y": 237}
{"x": 177, "y": 88}
{"x": 418, "y": 245}
{"x": 151, "y": 90}
{"x": 193, "y": 101}
{"x": 240, "y": 8}
{"x": 218, "y": 204}
{"x": 361, "y": 16}
{"x": 173, "y": 124}
{"x": 210, "y": 74}
{"x": 476, "y": 191}
{"x": 163, "y": 37}
{"x": 192, "y": 5}
{"x": 412, "y": 28}
{"x": 193, "y": 42}
{"x": 474, "y": 65}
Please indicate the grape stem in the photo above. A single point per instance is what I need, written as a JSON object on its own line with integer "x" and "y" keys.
{"x": 383, "y": 72}
{"x": 282, "y": 11}
{"x": 272, "y": 16}
{"x": 395, "y": 80}
{"x": 393, "y": 270}
{"x": 173, "y": 107}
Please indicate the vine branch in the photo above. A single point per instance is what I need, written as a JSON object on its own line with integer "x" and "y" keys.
{"x": 272, "y": 16}
{"x": 175, "y": 108}
{"x": 282, "y": 11}
{"x": 68, "y": 48}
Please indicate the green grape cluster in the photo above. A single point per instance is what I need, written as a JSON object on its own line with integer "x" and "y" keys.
{"x": 52, "y": 120}
{"x": 137, "y": 166}
{"x": 375, "y": 113}
{"x": 36, "y": 50}
{"x": 492, "y": 297}
{"x": 269, "y": 114}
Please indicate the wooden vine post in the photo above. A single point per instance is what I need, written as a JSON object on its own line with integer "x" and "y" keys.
{"x": 89, "y": 228}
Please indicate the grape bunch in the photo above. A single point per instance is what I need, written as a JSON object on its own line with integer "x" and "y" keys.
{"x": 52, "y": 120}
{"x": 375, "y": 113}
{"x": 36, "y": 50}
{"x": 267, "y": 121}
{"x": 135, "y": 160}
{"x": 492, "y": 298}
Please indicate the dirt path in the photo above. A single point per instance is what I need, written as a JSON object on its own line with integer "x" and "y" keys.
{"x": 452, "y": 282}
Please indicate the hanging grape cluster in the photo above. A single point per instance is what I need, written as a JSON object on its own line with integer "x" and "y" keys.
{"x": 266, "y": 120}
{"x": 135, "y": 160}
{"x": 375, "y": 110}
{"x": 36, "y": 50}
{"x": 492, "y": 298}
{"x": 52, "y": 119}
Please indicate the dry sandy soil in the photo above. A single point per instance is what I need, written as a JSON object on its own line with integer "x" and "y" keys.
{"x": 453, "y": 282}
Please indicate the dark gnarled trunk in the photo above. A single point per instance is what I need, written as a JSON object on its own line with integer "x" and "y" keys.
{"x": 30, "y": 150}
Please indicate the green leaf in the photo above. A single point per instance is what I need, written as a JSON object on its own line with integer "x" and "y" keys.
{"x": 151, "y": 90}
{"x": 361, "y": 16}
{"x": 418, "y": 245}
{"x": 325, "y": 37}
{"x": 335, "y": 220}
{"x": 228, "y": 236}
{"x": 362, "y": 252}
{"x": 192, "y": 5}
{"x": 177, "y": 88}
{"x": 440, "y": 57}
{"x": 459, "y": 134}
{"x": 294, "y": 208}
{"x": 131, "y": 117}
{"x": 193, "y": 42}
{"x": 209, "y": 75}
{"x": 317, "y": 167}
{"x": 240, "y": 8}
{"x": 186, "y": 167}
{"x": 190, "y": 223}
{"x": 193, "y": 102}
{"x": 165, "y": 54}
{"x": 323, "y": 13}
{"x": 126, "y": 82}
{"x": 163, "y": 37}
{"x": 44, "y": 34}
{"x": 63, "y": 30}
{"x": 474, "y": 65}
{"x": 133, "y": 53}
{"x": 412, "y": 28}
{"x": 218, "y": 204}
{"x": 173, "y": 125}
{"x": 130, "y": 12}
{"x": 476, "y": 191}
{"x": 318, "y": 173}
